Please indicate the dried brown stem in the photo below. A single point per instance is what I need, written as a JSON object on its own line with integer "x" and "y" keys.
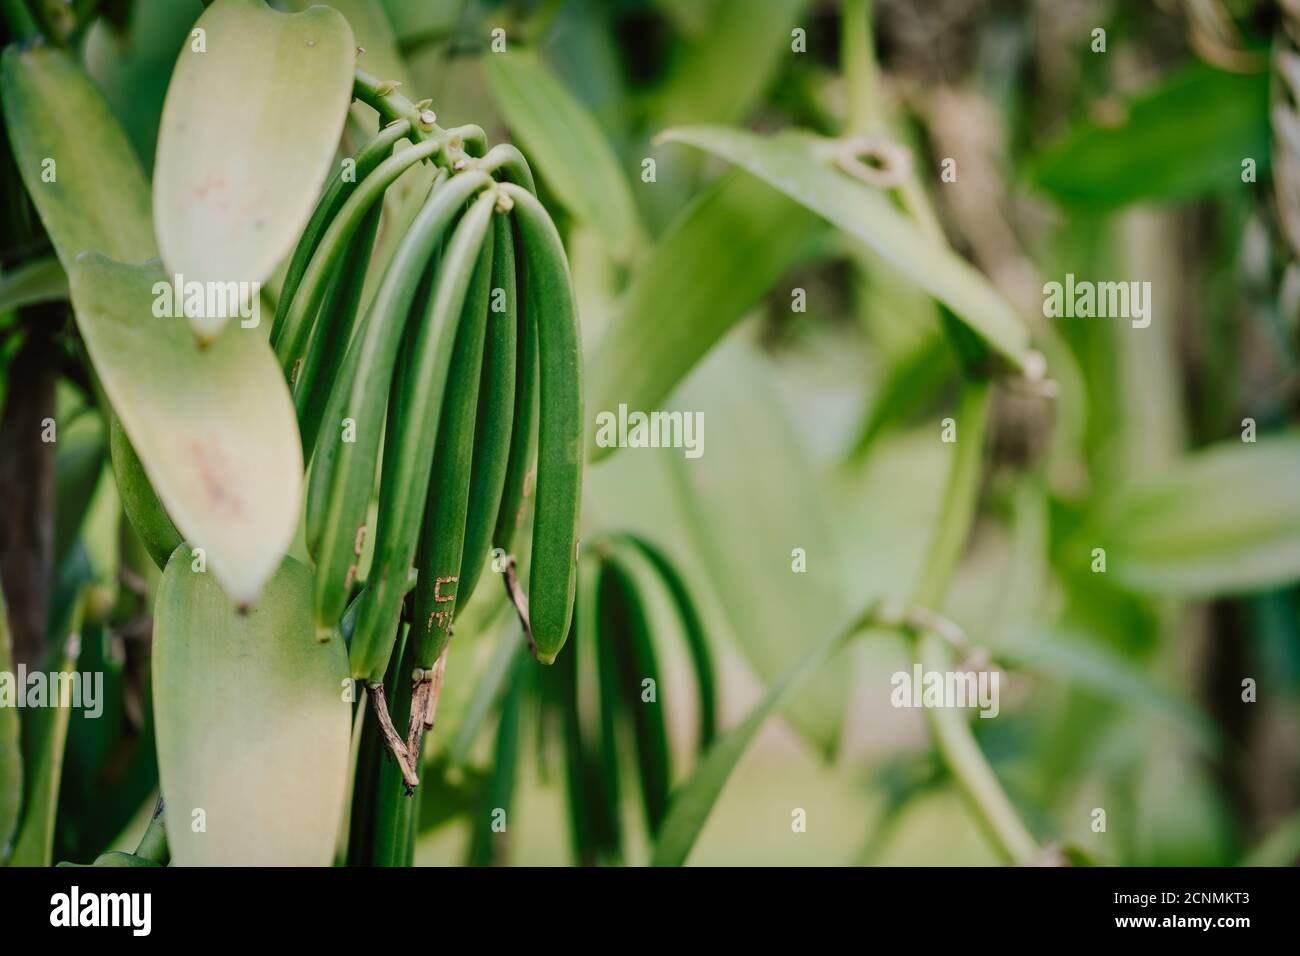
{"x": 520, "y": 600}
{"x": 379, "y": 701}
{"x": 426, "y": 688}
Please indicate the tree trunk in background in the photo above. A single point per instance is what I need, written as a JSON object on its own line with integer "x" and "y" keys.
{"x": 27, "y": 489}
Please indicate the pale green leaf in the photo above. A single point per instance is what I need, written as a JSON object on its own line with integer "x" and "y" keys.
{"x": 1183, "y": 137}
{"x": 751, "y": 498}
{"x": 803, "y": 166}
{"x": 728, "y": 62}
{"x": 253, "y": 724}
{"x": 133, "y": 69}
{"x": 565, "y": 147}
{"x": 214, "y": 427}
{"x": 40, "y": 280}
{"x": 377, "y": 51}
{"x": 249, "y": 130}
{"x": 75, "y": 161}
{"x": 1224, "y": 520}
{"x": 711, "y": 267}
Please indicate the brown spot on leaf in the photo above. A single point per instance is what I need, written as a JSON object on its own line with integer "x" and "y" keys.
{"x": 215, "y": 473}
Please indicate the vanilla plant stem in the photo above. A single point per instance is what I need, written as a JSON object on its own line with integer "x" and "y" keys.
{"x": 957, "y": 746}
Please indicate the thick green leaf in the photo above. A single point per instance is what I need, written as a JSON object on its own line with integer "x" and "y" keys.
{"x": 133, "y": 69}
{"x": 378, "y": 55}
{"x": 214, "y": 427}
{"x": 253, "y": 723}
{"x": 727, "y": 65}
{"x": 1186, "y": 136}
{"x": 155, "y": 377}
{"x": 377, "y": 51}
{"x": 1224, "y": 520}
{"x": 693, "y": 801}
{"x": 41, "y": 280}
{"x": 75, "y": 161}
{"x": 249, "y": 131}
{"x": 565, "y": 147}
{"x": 802, "y": 166}
{"x": 11, "y": 756}
{"x": 713, "y": 265}
{"x": 373, "y": 29}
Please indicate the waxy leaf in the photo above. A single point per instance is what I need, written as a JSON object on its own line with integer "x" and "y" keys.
{"x": 565, "y": 147}
{"x": 714, "y": 264}
{"x": 213, "y": 426}
{"x": 728, "y": 62}
{"x": 134, "y": 67}
{"x": 237, "y": 498}
{"x": 1187, "y": 136}
{"x": 377, "y": 51}
{"x": 803, "y": 166}
{"x": 75, "y": 161}
{"x": 249, "y": 129}
{"x": 1224, "y": 520}
{"x": 253, "y": 724}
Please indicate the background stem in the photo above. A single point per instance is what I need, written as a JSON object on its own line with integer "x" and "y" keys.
{"x": 952, "y": 734}
{"x": 957, "y": 745}
{"x": 960, "y": 495}
{"x": 858, "y": 62}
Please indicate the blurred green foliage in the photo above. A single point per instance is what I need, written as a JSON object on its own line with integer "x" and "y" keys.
{"x": 1125, "y": 673}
